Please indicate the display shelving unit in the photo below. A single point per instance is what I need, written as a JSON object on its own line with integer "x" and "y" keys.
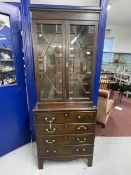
{"x": 119, "y": 62}
{"x": 7, "y": 69}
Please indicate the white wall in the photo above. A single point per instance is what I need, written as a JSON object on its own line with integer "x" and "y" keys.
{"x": 9, "y": 0}
{"x": 61, "y": 2}
{"x": 122, "y": 35}
{"x": 67, "y": 2}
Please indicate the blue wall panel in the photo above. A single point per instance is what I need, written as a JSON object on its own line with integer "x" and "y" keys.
{"x": 100, "y": 45}
{"x": 29, "y": 61}
{"x": 14, "y": 116}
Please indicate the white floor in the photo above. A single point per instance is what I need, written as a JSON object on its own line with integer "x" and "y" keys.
{"x": 112, "y": 156}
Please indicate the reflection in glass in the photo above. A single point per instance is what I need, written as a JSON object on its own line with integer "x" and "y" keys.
{"x": 49, "y": 54}
{"x": 80, "y": 61}
{"x": 7, "y": 69}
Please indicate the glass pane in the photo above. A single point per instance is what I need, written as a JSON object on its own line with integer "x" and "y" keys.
{"x": 7, "y": 69}
{"x": 109, "y": 44}
{"x": 72, "y": 2}
{"x": 80, "y": 61}
{"x": 49, "y": 49}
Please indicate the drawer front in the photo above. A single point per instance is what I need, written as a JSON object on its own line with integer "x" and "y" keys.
{"x": 65, "y": 117}
{"x": 57, "y": 129}
{"x": 64, "y": 150}
{"x": 65, "y": 140}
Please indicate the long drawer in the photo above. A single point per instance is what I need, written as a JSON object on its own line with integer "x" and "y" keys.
{"x": 65, "y": 117}
{"x": 56, "y": 129}
{"x": 65, "y": 140}
{"x": 64, "y": 150}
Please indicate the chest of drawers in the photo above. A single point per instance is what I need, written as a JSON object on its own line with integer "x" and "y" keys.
{"x": 64, "y": 133}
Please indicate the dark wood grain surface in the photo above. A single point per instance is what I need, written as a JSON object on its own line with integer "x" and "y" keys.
{"x": 73, "y": 139}
{"x": 62, "y": 106}
{"x": 65, "y": 150}
{"x": 65, "y": 117}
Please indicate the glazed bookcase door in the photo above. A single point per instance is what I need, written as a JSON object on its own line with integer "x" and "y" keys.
{"x": 81, "y": 59}
{"x": 64, "y": 59}
{"x": 49, "y": 60}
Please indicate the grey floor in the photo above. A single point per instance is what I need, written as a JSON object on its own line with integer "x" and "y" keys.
{"x": 112, "y": 156}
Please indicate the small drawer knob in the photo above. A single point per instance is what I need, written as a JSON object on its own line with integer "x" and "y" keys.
{"x": 54, "y": 151}
{"x": 47, "y": 151}
{"x": 66, "y": 115}
{"x": 77, "y": 150}
{"x": 79, "y": 117}
{"x": 84, "y": 149}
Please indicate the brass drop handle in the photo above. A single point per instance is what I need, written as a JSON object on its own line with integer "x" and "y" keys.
{"x": 50, "y": 131}
{"x": 50, "y": 142}
{"x": 81, "y": 141}
{"x": 47, "y": 151}
{"x": 82, "y": 127}
{"x": 46, "y": 119}
{"x": 77, "y": 150}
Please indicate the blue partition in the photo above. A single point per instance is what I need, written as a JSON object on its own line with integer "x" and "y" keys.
{"x": 14, "y": 116}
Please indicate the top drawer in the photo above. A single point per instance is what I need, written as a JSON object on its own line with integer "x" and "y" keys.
{"x": 65, "y": 117}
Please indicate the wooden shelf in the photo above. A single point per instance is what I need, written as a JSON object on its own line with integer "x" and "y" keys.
{"x": 7, "y": 71}
{"x": 9, "y": 60}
